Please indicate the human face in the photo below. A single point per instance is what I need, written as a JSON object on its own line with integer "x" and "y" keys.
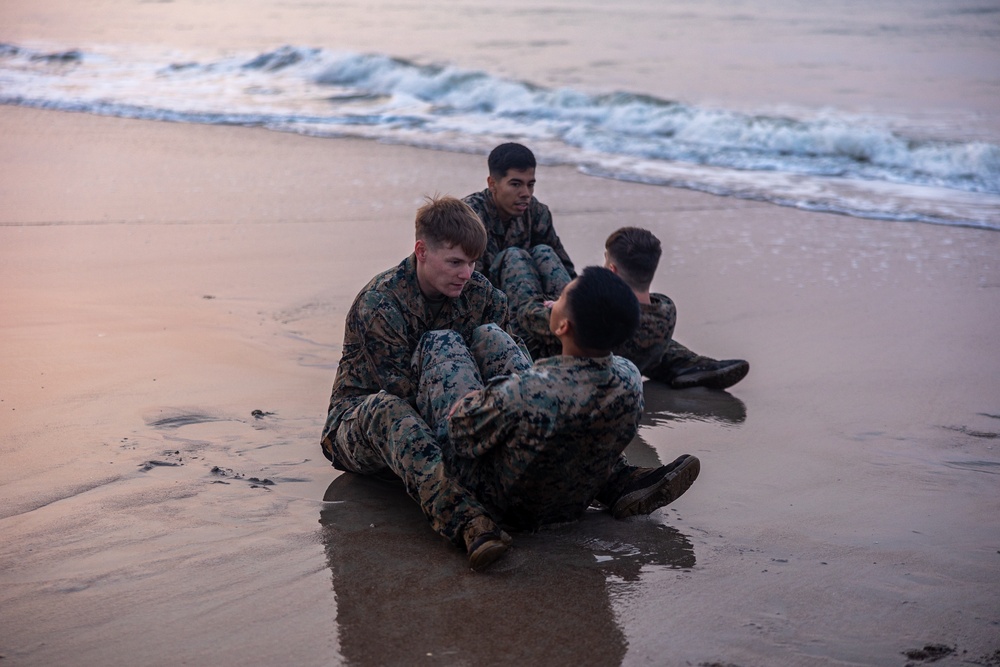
{"x": 513, "y": 192}
{"x": 443, "y": 271}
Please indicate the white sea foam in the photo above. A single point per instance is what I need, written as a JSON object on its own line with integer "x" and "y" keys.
{"x": 830, "y": 162}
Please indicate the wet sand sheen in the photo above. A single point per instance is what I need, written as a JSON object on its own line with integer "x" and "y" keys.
{"x": 173, "y": 303}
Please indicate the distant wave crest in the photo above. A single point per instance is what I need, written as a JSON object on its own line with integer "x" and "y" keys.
{"x": 648, "y": 127}
{"x": 620, "y": 134}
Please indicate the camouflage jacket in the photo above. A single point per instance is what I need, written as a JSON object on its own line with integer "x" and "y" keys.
{"x": 525, "y": 231}
{"x": 544, "y": 442}
{"x": 647, "y": 346}
{"x": 384, "y": 325}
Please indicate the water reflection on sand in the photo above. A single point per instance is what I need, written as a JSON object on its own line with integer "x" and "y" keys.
{"x": 404, "y": 595}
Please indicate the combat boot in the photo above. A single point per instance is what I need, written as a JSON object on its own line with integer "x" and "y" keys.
{"x": 705, "y": 372}
{"x": 653, "y": 488}
{"x": 485, "y": 542}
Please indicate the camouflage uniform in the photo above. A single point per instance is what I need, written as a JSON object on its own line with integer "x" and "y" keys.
{"x": 532, "y": 228}
{"x": 529, "y": 278}
{"x": 372, "y": 426}
{"x": 535, "y": 443}
{"x": 530, "y": 320}
{"x": 652, "y": 349}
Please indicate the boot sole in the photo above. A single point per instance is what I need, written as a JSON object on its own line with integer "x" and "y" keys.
{"x": 716, "y": 379}
{"x": 671, "y": 487}
{"x": 487, "y": 553}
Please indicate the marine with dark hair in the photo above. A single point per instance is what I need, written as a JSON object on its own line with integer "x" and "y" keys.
{"x": 526, "y": 260}
{"x": 602, "y": 309}
{"x": 513, "y": 217}
{"x": 634, "y": 254}
{"x": 538, "y": 443}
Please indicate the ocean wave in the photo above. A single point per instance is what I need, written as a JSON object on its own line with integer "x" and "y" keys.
{"x": 622, "y": 134}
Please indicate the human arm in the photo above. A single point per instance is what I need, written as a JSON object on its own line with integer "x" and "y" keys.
{"x": 531, "y": 324}
{"x": 485, "y": 418}
{"x": 383, "y": 346}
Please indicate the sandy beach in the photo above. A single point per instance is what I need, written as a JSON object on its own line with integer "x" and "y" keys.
{"x": 171, "y": 313}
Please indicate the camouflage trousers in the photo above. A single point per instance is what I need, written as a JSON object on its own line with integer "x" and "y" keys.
{"x": 448, "y": 370}
{"x": 529, "y": 278}
{"x": 675, "y": 358}
{"x": 383, "y": 435}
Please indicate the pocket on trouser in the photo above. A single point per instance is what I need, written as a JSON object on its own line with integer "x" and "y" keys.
{"x": 353, "y": 450}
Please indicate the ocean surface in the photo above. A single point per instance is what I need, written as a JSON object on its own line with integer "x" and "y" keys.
{"x": 885, "y": 109}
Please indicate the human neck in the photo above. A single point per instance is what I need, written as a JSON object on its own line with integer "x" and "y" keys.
{"x": 571, "y": 349}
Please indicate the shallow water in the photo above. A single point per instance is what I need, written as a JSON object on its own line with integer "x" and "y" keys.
{"x": 847, "y": 506}
{"x": 884, "y": 110}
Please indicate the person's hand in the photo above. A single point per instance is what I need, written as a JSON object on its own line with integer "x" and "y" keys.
{"x": 548, "y": 304}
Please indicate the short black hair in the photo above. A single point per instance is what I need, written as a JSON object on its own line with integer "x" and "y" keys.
{"x": 509, "y": 156}
{"x": 635, "y": 252}
{"x": 602, "y": 308}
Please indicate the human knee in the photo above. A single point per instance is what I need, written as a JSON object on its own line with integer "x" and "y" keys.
{"x": 440, "y": 337}
{"x": 434, "y": 344}
{"x": 485, "y": 333}
{"x": 496, "y": 353}
{"x": 542, "y": 252}
{"x": 512, "y": 255}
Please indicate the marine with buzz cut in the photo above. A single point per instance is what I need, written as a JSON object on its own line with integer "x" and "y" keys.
{"x": 526, "y": 260}
{"x": 538, "y": 443}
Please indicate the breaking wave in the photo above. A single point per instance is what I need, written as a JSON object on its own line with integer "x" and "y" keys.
{"x": 828, "y": 162}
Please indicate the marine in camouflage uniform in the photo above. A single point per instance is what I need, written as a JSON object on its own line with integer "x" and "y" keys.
{"x": 530, "y": 278}
{"x": 634, "y": 254}
{"x": 530, "y": 229}
{"x": 525, "y": 258}
{"x": 652, "y": 349}
{"x": 372, "y": 426}
{"x": 535, "y": 443}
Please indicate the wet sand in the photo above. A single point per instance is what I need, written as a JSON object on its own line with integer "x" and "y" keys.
{"x": 171, "y": 312}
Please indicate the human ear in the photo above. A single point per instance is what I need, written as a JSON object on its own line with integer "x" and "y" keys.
{"x": 608, "y": 264}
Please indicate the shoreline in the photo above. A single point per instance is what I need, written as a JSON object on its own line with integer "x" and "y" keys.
{"x": 163, "y": 281}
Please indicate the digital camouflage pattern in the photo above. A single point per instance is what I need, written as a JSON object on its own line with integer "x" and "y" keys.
{"x": 382, "y": 435}
{"x": 449, "y": 368}
{"x": 652, "y": 349}
{"x": 385, "y": 324}
{"x": 536, "y": 446}
{"x": 372, "y": 426}
{"x": 653, "y": 337}
{"x": 529, "y": 278}
{"x": 526, "y": 231}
